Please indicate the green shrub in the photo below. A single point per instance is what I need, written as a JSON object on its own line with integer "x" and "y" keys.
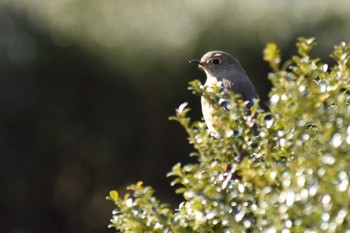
{"x": 282, "y": 170}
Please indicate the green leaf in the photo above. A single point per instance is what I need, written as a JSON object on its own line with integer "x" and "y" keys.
{"x": 113, "y": 195}
{"x": 286, "y": 169}
{"x": 272, "y": 55}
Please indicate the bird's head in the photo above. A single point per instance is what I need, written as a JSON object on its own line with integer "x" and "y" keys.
{"x": 218, "y": 63}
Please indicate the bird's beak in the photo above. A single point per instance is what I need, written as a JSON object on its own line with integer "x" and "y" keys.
{"x": 195, "y": 62}
{"x": 198, "y": 62}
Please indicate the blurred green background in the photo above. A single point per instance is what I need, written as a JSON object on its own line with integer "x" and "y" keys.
{"x": 86, "y": 89}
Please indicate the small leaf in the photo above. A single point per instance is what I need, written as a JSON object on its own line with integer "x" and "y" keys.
{"x": 182, "y": 107}
{"x": 113, "y": 195}
{"x": 305, "y": 45}
{"x": 139, "y": 185}
{"x": 272, "y": 55}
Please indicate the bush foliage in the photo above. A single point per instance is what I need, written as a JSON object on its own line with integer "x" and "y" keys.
{"x": 282, "y": 170}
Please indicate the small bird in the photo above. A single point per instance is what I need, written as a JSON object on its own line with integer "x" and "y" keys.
{"x": 223, "y": 69}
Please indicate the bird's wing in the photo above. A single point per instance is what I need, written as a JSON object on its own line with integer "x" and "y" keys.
{"x": 244, "y": 87}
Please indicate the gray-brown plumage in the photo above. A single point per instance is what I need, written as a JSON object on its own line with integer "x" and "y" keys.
{"x": 221, "y": 67}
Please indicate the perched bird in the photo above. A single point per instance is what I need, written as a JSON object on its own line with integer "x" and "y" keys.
{"x": 223, "y": 69}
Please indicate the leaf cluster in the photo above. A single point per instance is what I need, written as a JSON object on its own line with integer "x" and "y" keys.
{"x": 282, "y": 170}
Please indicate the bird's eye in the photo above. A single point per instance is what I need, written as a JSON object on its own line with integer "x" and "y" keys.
{"x": 216, "y": 61}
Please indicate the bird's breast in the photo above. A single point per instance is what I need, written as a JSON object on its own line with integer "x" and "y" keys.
{"x": 212, "y": 82}
{"x": 207, "y": 111}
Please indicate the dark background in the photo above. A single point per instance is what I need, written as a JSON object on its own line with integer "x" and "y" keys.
{"x": 86, "y": 89}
